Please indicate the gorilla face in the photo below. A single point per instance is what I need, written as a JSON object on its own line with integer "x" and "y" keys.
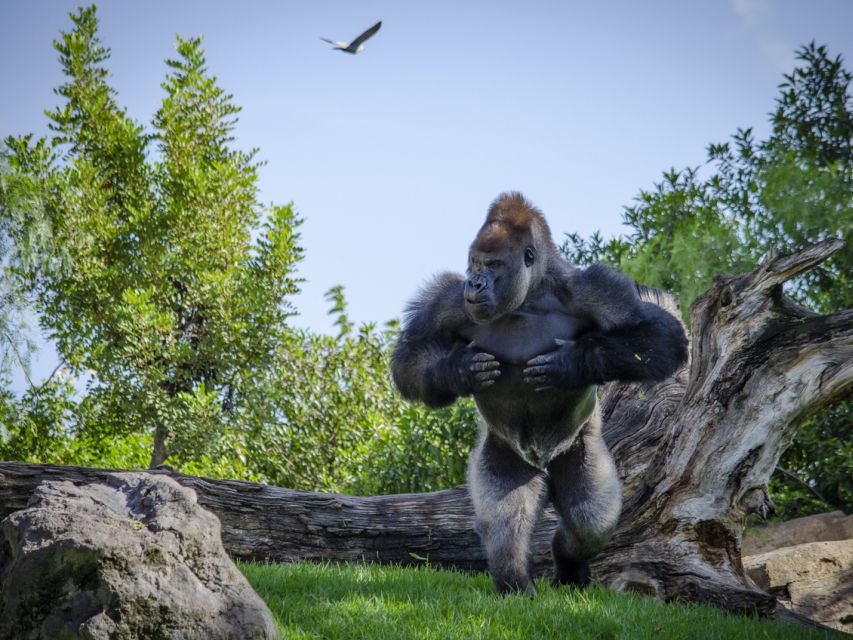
{"x": 498, "y": 282}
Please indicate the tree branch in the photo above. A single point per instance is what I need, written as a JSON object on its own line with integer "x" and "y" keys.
{"x": 776, "y": 269}
{"x": 815, "y": 492}
{"x": 14, "y": 346}
{"x": 50, "y": 377}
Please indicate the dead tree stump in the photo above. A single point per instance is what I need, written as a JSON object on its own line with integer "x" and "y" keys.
{"x": 696, "y": 451}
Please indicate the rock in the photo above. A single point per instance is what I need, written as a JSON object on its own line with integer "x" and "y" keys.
{"x": 134, "y": 557}
{"x": 814, "y": 579}
{"x": 818, "y": 528}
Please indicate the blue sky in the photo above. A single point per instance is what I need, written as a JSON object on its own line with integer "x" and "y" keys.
{"x": 393, "y": 156}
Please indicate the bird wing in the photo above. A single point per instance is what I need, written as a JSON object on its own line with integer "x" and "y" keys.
{"x": 342, "y": 45}
{"x": 364, "y": 36}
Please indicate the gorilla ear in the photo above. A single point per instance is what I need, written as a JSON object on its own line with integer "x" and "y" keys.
{"x": 529, "y": 256}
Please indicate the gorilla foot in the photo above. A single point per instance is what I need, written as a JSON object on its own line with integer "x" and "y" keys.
{"x": 516, "y": 586}
{"x": 572, "y": 572}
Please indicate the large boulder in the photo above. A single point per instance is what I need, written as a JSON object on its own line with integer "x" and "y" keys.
{"x": 822, "y": 527}
{"x": 134, "y": 557}
{"x": 814, "y": 579}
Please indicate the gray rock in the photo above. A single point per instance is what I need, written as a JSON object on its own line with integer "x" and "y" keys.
{"x": 822, "y": 527}
{"x": 135, "y": 557}
{"x": 813, "y": 579}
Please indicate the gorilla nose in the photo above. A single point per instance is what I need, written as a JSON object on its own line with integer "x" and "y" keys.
{"x": 472, "y": 291}
{"x": 476, "y": 285}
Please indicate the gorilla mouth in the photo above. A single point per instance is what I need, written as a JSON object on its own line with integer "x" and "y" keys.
{"x": 480, "y": 312}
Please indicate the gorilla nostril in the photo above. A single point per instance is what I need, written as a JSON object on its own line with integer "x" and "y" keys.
{"x": 472, "y": 288}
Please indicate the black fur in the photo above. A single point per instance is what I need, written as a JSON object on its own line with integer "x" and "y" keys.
{"x": 568, "y": 570}
{"x": 528, "y": 335}
{"x": 428, "y": 364}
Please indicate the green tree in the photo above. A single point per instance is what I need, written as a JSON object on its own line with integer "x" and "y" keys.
{"x": 788, "y": 191}
{"x": 164, "y": 302}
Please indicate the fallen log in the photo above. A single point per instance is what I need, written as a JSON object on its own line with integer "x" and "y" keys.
{"x": 261, "y": 522}
{"x": 695, "y": 453}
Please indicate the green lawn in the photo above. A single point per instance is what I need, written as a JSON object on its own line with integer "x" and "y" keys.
{"x": 371, "y": 601}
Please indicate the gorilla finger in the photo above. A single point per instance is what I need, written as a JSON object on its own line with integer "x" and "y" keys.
{"x": 544, "y": 359}
{"x": 537, "y": 371}
{"x": 536, "y": 379}
{"x": 487, "y": 375}
{"x": 545, "y": 388}
{"x": 485, "y": 366}
{"x": 487, "y": 383}
{"x": 482, "y": 356}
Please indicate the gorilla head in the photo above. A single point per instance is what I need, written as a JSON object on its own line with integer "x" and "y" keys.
{"x": 506, "y": 261}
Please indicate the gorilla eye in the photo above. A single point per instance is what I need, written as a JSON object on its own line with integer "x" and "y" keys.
{"x": 528, "y": 256}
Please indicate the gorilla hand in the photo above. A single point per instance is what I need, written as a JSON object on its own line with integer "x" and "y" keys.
{"x": 486, "y": 369}
{"x": 558, "y": 369}
{"x": 471, "y": 371}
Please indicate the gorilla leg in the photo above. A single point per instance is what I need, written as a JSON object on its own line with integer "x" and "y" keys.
{"x": 508, "y": 496}
{"x": 586, "y": 492}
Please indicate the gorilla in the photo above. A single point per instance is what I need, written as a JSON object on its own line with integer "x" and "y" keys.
{"x": 530, "y": 336}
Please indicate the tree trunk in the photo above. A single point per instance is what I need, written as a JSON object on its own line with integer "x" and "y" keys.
{"x": 695, "y": 453}
{"x": 159, "y": 452}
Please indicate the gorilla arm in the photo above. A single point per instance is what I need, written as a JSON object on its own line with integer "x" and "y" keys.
{"x": 630, "y": 339}
{"x": 431, "y": 362}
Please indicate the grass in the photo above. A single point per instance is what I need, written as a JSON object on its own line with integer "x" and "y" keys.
{"x": 372, "y": 601}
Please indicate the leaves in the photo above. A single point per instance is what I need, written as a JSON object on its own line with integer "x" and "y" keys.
{"x": 165, "y": 301}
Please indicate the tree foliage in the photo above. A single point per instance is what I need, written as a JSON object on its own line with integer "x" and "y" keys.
{"x": 164, "y": 302}
{"x": 792, "y": 189}
{"x": 25, "y": 240}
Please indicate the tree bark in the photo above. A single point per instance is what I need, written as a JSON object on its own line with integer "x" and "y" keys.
{"x": 695, "y": 453}
{"x": 159, "y": 452}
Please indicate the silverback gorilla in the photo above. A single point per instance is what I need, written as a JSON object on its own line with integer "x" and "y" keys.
{"x": 530, "y": 336}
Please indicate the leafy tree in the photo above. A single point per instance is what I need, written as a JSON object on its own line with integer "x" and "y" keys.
{"x": 682, "y": 235}
{"x": 790, "y": 190}
{"x": 164, "y": 302}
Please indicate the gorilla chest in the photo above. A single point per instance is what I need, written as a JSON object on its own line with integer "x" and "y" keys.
{"x": 537, "y": 425}
{"x": 516, "y": 338}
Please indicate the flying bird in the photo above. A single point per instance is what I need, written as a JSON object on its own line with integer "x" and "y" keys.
{"x": 356, "y": 45}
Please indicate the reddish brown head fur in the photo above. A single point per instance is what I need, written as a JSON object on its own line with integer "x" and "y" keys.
{"x": 510, "y": 224}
